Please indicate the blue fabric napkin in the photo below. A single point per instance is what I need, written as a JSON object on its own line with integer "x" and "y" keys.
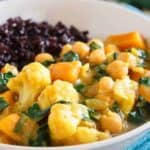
{"x": 143, "y": 143}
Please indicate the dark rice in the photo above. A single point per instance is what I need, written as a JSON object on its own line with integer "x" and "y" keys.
{"x": 21, "y": 40}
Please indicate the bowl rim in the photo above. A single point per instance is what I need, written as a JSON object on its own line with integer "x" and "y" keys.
{"x": 99, "y": 144}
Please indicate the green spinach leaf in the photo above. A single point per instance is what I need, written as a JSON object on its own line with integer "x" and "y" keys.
{"x": 36, "y": 113}
{"x": 4, "y": 78}
{"x": 145, "y": 81}
{"x": 100, "y": 71}
{"x": 94, "y": 115}
{"x": 94, "y": 46}
{"x": 47, "y": 63}
{"x": 79, "y": 87}
{"x": 3, "y": 104}
{"x": 115, "y": 107}
{"x": 70, "y": 56}
{"x": 43, "y": 137}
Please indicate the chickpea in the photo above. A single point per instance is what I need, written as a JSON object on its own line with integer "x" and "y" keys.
{"x": 97, "y": 42}
{"x": 66, "y": 48}
{"x": 97, "y": 57}
{"x": 111, "y": 48}
{"x": 43, "y": 57}
{"x": 9, "y": 68}
{"x": 112, "y": 122}
{"x": 145, "y": 92}
{"x": 128, "y": 58}
{"x": 91, "y": 90}
{"x": 81, "y": 49}
{"x": 117, "y": 69}
{"x": 106, "y": 84}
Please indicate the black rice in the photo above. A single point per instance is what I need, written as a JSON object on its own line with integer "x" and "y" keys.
{"x": 21, "y": 40}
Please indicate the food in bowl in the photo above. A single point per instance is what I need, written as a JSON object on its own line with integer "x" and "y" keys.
{"x": 90, "y": 91}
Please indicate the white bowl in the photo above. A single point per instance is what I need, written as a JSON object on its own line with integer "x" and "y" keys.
{"x": 101, "y": 19}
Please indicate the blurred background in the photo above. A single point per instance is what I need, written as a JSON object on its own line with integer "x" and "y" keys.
{"x": 143, "y": 5}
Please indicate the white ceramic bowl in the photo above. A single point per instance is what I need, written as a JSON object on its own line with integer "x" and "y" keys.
{"x": 101, "y": 19}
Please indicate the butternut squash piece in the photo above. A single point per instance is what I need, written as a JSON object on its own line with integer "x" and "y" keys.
{"x": 126, "y": 40}
{"x": 67, "y": 71}
{"x": 9, "y": 96}
{"x": 7, "y": 126}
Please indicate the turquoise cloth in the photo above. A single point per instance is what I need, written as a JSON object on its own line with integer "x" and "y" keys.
{"x": 143, "y": 143}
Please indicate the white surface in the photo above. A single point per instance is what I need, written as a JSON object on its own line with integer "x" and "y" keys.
{"x": 101, "y": 19}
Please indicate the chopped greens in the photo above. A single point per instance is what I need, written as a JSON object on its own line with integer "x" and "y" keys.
{"x": 3, "y": 104}
{"x": 20, "y": 123}
{"x": 142, "y": 54}
{"x": 36, "y": 113}
{"x": 79, "y": 87}
{"x": 100, "y": 71}
{"x": 140, "y": 113}
{"x": 70, "y": 56}
{"x": 115, "y": 107}
{"x": 47, "y": 63}
{"x": 94, "y": 115}
{"x": 4, "y": 78}
{"x": 115, "y": 55}
{"x": 94, "y": 46}
{"x": 61, "y": 102}
{"x": 136, "y": 117}
{"x": 145, "y": 81}
{"x": 43, "y": 138}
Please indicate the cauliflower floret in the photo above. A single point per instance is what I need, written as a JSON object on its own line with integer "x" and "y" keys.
{"x": 59, "y": 90}
{"x": 62, "y": 122}
{"x": 66, "y": 125}
{"x": 125, "y": 93}
{"x": 28, "y": 84}
{"x": 64, "y": 119}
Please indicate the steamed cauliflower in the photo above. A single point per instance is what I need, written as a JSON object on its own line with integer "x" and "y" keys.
{"x": 28, "y": 84}
{"x": 66, "y": 128}
{"x": 59, "y": 90}
{"x": 62, "y": 122}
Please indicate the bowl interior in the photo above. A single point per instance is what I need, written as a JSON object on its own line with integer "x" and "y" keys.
{"x": 100, "y": 18}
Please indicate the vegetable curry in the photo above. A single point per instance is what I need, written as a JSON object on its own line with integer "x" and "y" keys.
{"x": 91, "y": 92}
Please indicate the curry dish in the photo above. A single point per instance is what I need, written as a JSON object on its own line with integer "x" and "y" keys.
{"x": 90, "y": 92}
